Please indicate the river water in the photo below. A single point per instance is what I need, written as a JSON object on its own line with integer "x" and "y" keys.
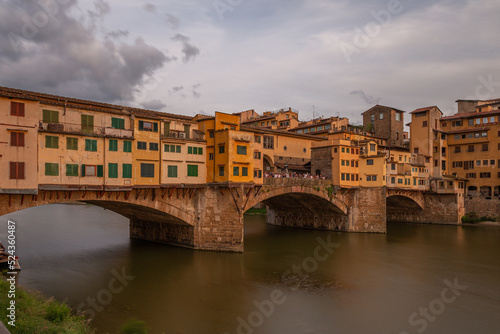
{"x": 414, "y": 279}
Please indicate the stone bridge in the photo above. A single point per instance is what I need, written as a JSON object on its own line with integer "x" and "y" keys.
{"x": 210, "y": 217}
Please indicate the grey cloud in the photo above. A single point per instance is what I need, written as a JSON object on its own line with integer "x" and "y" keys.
{"x": 196, "y": 94}
{"x": 117, "y": 34}
{"x": 64, "y": 57}
{"x": 149, "y": 7}
{"x": 177, "y": 88}
{"x": 96, "y": 17}
{"x": 154, "y": 105}
{"x": 172, "y": 21}
{"x": 189, "y": 50}
{"x": 367, "y": 98}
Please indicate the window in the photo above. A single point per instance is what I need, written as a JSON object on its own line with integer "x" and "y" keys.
{"x": 17, "y": 139}
{"x": 141, "y": 145}
{"x": 16, "y": 170}
{"x": 113, "y": 145}
{"x": 415, "y": 150}
{"x": 400, "y": 181}
{"x": 471, "y": 122}
{"x": 51, "y": 169}
{"x": 222, "y": 149}
{"x": 484, "y": 134}
{"x": 172, "y": 171}
{"x": 147, "y": 170}
{"x": 457, "y": 149}
{"x": 71, "y": 143}
{"x": 485, "y": 175}
{"x": 443, "y": 165}
{"x": 117, "y": 123}
{"x": 374, "y": 177}
{"x": 470, "y": 175}
{"x": 398, "y": 116}
{"x": 369, "y": 162}
{"x": 393, "y": 166}
{"x": 127, "y": 146}
{"x": 211, "y": 134}
{"x": 348, "y": 177}
{"x": 236, "y": 171}
{"x": 50, "y": 116}
{"x": 478, "y": 162}
{"x": 17, "y": 109}
{"x": 187, "y": 130}
{"x": 148, "y": 126}
{"x": 172, "y": 148}
{"x": 485, "y": 147}
{"x": 241, "y": 150}
{"x": 257, "y": 155}
{"x": 348, "y": 150}
{"x": 381, "y": 116}
{"x": 244, "y": 171}
{"x": 91, "y": 145}
{"x": 368, "y": 178}
{"x": 470, "y": 148}
{"x": 92, "y": 170}
{"x": 87, "y": 123}
{"x": 221, "y": 171}
{"x": 269, "y": 142}
{"x": 478, "y": 121}
{"x": 51, "y": 142}
{"x": 424, "y": 124}
{"x": 193, "y": 170}
{"x": 342, "y": 177}
{"x": 71, "y": 170}
{"x": 113, "y": 170}
{"x": 393, "y": 179}
{"x": 210, "y": 156}
{"x": 372, "y": 147}
{"x": 455, "y": 123}
{"x": 127, "y": 171}
{"x": 492, "y": 162}
{"x": 485, "y": 162}
{"x": 153, "y": 146}
{"x": 372, "y": 118}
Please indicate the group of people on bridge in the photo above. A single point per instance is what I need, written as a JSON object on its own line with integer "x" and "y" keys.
{"x": 294, "y": 175}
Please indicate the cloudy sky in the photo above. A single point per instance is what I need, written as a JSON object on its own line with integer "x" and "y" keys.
{"x": 199, "y": 56}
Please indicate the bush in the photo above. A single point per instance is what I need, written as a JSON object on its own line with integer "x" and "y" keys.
{"x": 56, "y": 312}
{"x": 134, "y": 326}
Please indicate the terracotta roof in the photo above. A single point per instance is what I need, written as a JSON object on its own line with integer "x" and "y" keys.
{"x": 79, "y": 103}
{"x": 425, "y": 109}
{"x": 471, "y": 114}
{"x": 383, "y": 107}
{"x": 279, "y": 132}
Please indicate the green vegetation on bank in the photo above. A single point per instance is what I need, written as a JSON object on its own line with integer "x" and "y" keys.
{"x": 37, "y": 314}
{"x": 474, "y": 219}
{"x": 255, "y": 211}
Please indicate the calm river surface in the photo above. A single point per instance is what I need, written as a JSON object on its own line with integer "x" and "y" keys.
{"x": 394, "y": 283}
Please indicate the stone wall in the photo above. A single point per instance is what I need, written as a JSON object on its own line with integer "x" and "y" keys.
{"x": 181, "y": 235}
{"x": 480, "y": 206}
{"x": 292, "y": 218}
{"x": 367, "y": 210}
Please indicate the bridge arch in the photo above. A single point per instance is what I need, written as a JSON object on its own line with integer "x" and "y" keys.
{"x": 132, "y": 204}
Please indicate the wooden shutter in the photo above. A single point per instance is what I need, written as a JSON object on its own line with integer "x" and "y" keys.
{"x": 20, "y": 170}
{"x": 13, "y": 171}
{"x": 155, "y": 127}
{"x": 100, "y": 171}
{"x": 83, "y": 170}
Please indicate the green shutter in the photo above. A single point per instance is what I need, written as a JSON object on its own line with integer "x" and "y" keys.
{"x": 155, "y": 127}
{"x": 166, "y": 148}
{"x": 71, "y": 143}
{"x": 190, "y": 150}
{"x": 244, "y": 171}
{"x": 87, "y": 123}
{"x": 200, "y": 150}
{"x": 83, "y": 170}
{"x": 127, "y": 146}
{"x": 100, "y": 171}
{"x": 241, "y": 150}
{"x": 51, "y": 142}
{"x": 236, "y": 171}
{"x": 177, "y": 149}
{"x": 50, "y": 116}
{"x": 113, "y": 145}
{"x": 118, "y": 123}
{"x": 172, "y": 171}
{"x": 192, "y": 170}
{"x": 51, "y": 169}
{"x": 112, "y": 170}
{"x": 127, "y": 171}
{"x": 141, "y": 125}
{"x": 71, "y": 170}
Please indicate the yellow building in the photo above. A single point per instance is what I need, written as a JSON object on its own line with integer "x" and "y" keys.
{"x": 474, "y": 142}
{"x": 18, "y": 143}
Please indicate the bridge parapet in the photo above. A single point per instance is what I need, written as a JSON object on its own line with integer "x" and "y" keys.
{"x": 296, "y": 181}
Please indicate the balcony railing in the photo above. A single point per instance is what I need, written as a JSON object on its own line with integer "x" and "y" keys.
{"x": 85, "y": 129}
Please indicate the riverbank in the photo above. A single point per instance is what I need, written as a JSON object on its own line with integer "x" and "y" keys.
{"x": 36, "y": 314}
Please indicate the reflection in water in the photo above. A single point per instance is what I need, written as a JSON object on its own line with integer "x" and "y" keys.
{"x": 370, "y": 283}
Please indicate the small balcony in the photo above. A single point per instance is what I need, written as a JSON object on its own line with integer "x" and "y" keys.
{"x": 79, "y": 129}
